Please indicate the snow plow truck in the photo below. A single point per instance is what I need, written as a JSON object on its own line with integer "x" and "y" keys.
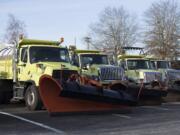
{"x": 95, "y": 65}
{"x": 140, "y": 73}
{"x": 40, "y": 73}
{"x": 170, "y": 76}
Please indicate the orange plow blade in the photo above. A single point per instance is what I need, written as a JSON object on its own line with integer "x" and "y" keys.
{"x": 51, "y": 90}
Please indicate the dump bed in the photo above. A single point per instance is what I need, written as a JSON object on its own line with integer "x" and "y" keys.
{"x": 6, "y": 63}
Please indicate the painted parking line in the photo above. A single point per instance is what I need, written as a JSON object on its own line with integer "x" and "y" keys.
{"x": 122, "y": 116}
{"x": 34, "y": 123}
{"x": 157, "y": 108}
{"x": 172, "y": 103}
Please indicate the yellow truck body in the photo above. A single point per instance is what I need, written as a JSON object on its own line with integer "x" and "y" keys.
{"x": 30, "y": 59}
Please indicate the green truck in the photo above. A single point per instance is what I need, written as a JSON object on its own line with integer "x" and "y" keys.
{"x": 139, "y": 70}
{"x": 169, "y": 75}
{"x": 95, "y": 65}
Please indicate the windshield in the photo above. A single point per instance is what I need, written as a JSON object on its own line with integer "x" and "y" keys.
{"x": 139, "y": 64}
{"x": 49, "y": 54}
{"x": 163, "y": 64}
{"x": 93, "y": 59}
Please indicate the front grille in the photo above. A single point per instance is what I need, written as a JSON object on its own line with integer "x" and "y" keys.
{"x": 111, "y": 73}
{"x": 173, "y": 75}
{"x": 152, "y": 76}
{"x": 63, "y": 75}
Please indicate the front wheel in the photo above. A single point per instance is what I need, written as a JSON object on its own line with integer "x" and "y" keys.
{"x": 32, "y": 98}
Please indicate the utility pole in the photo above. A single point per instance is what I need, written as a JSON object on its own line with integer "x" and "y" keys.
{"x": 75, "y": 41}
{"x": 88, "y": 41}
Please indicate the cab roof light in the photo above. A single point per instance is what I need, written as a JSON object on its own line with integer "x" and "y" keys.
{"x": 72, "y": 47}
{"x": 21, "y": 36}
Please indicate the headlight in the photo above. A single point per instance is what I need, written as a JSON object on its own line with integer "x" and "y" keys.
{"x": 141, "y": 75}
{"x": 141, "y": 81}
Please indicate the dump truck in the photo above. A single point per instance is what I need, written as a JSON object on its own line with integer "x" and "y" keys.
{"x": 40, "y": 72}
{"x": 170, "y": 76}
{"x": 139, "y": 71}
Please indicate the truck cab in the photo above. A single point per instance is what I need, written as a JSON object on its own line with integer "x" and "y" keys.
{"x": 95, "y": 65}
{"x": 138, "y": 69}
{"x": 169, "y": 75}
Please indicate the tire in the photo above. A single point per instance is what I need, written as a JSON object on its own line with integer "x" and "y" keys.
{"x": 32, "y": 98}
{"x": 1, "y": 98}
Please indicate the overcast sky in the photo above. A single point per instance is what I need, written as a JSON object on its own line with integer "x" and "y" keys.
{"x": 52, "y": 19}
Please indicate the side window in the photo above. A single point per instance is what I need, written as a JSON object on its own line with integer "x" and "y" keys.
{"x": 24, "y": 55}
{"x": 123, "y": 64}
{"x": 75, "y": 60}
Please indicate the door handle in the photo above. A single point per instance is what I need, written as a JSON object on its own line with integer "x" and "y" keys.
{"x": 22, "y": 65}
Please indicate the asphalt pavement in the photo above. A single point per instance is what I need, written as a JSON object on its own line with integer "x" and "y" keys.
{"x": 142, "y": 120}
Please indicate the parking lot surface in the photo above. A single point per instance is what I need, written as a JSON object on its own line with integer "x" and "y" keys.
{"x": 142, "y": 120}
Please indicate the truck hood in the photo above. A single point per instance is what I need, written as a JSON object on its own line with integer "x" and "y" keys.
{"x": 96, "y": 67}
{"x": 146, "y": 70}
{"x": 101, "y": 65}
{"x": 58, "y": 65}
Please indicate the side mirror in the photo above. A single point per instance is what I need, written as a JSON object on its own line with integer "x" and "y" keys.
{"x": 74, "y": 63}
{"x": 123, "y": 66}
{"x": 16, "y": 59}
{"x": 15, "y": 55}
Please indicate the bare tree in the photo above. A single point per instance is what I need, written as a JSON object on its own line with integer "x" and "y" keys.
{"x": 163, "y": 26}
{"x": 115, "y": 29}
{"x": 15, "y": 27}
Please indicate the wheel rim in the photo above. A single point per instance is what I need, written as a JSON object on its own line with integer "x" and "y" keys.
{"x": 31, "y": 98}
